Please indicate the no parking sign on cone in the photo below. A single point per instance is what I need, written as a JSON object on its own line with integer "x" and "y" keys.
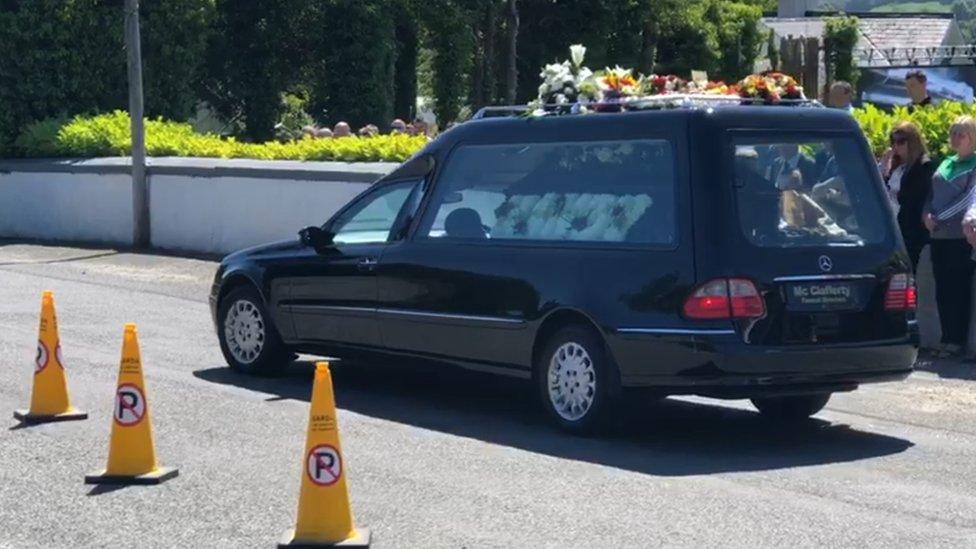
{"x": 324, "y": 514}
{"x": 132, "y": 451}
{"x": 49, "y": 394}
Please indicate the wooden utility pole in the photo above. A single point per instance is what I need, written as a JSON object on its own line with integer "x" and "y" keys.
{"x": 140, "y": 192}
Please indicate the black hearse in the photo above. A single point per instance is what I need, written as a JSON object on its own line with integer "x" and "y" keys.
{"x": 711, "y": 249}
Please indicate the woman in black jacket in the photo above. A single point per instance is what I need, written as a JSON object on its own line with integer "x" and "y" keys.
{"x": 907, "y": 172}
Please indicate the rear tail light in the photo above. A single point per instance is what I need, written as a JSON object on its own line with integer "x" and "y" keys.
{"x": 901, "y": 294}
{"x": 725, "y": 298}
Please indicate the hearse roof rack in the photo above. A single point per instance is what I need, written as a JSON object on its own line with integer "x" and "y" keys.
{"x": 664, "y": 101}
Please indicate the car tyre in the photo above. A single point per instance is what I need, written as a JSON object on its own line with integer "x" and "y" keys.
{"x": 791, "y": 408}
{"x": 248, "y": 338}
{"x": 577, "y": 380}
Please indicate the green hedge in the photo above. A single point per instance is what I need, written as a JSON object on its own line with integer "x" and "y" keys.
{"x": 61, "y": 58}
{"x": 108, "y": 135}
{"x": 934, "y": 122}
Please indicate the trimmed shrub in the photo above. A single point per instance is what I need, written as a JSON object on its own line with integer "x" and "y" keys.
{"x": 933, "y": 121}
{"x": 108, "y": 135}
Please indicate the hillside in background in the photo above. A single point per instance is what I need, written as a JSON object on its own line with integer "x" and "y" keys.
{"x": 932, "y": 6}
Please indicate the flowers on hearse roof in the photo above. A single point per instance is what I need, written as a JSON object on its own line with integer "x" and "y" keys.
{"x": 662, "y": 84}
{"x": 771, "y": 87}
{"x": 617, "y": 82}
{"x": 572, "y": 84}
{"x": 563, "y": 83}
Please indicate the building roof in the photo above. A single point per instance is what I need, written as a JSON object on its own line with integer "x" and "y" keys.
{"x": 919, "y": 32}
{"x": 877, "y": 32}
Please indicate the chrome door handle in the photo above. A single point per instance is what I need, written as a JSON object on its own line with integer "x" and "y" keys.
{"x": 366, "y": 264}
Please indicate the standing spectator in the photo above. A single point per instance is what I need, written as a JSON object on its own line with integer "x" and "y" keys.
{"x": 341, "y": 129}
{"x": 398, "y": 126}
{"x": 841, "y": 96}
{"x": 907, "y": 172}
{"x": 952, "y": 194}
{"x": 916, "y": 83}
{"x": 369, "y": 130}
{"x": 420, "y": 127}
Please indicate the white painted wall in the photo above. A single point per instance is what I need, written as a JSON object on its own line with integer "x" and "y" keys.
{"x": 66, "y": 206}
{"x": 196, "y": 205}
{"x": 224, "y": 214}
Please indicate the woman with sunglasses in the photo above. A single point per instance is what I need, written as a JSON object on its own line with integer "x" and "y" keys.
{"x": 907, "y": 172}
{"x": 953, "y": 191}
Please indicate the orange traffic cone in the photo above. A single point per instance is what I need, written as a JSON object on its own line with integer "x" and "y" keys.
{"x": 131, "y": 450}
{"x": 324, "y": 515}
{"x": 49, "y": 396}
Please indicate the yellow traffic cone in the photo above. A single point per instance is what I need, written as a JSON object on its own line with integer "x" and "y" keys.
{"x": 131, "y": 450}
{"x": 49, "y": 396}
{"x": 324, "y": 515}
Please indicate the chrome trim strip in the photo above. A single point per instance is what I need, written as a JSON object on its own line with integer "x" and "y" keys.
{"x": 823, "y": 277}
{"x": 424, "y": 314}
{"x": 674, "y": 331}
{"x": 327, "y": 308}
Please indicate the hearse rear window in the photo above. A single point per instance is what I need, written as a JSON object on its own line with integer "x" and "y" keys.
{"x": 600, "y": 191}
{"x": 806, "y": 192}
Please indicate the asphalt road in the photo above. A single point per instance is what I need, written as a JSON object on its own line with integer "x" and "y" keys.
{"x": 446, "y": 459}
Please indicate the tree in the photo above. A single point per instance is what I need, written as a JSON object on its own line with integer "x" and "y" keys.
{"x": 511, "y": 72}
{"x": 739, "y": 37}
{"x": 355, "y": 58}
{"x": 483, "y": 78}
{"x": 450, "y": 41}
{"x": 688, "y": 39}
{"x": 249, "y": 67}
{"x": 407, "y": 50}
{"x": 840, "y": 38}
{"x": 965, "y": 13}
{"x": 175, "y": 34}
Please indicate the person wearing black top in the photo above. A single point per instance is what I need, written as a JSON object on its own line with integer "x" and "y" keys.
{"x": 916, "y": 84}
{"x": 907, "y": 172}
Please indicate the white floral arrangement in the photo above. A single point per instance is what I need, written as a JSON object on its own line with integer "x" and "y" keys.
{"x": 567, "y": 82}
{"x": 571, "y": 216}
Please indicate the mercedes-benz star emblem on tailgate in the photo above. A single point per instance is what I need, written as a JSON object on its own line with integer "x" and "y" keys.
{"x": 826, "y": 264}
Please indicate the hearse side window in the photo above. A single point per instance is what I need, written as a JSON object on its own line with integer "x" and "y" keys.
{"x": 600, "y": 191}
{"x": 806, "y": 192}
{"x": 370, "y": 220}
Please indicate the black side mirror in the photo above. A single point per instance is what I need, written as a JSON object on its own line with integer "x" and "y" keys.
{"x": 316, "y": 237}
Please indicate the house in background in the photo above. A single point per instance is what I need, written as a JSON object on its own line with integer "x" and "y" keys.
{"x": 889, "y": 45}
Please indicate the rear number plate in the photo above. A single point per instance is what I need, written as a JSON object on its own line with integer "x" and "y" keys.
{"x": 823, "y": 296}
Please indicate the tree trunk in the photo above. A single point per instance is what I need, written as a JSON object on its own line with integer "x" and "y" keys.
{"x": 480, "y": 61}
{"x": 491, "y": 26}
{"x": 649, "y": 36}
{"x": 405, "y": 80}
{"x": 511, "y": 83}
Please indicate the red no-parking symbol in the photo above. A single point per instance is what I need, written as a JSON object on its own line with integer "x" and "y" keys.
{"x": 41, "y": 360}
{"x": 130, "y": 405}
{"x": 324, "y": 465}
